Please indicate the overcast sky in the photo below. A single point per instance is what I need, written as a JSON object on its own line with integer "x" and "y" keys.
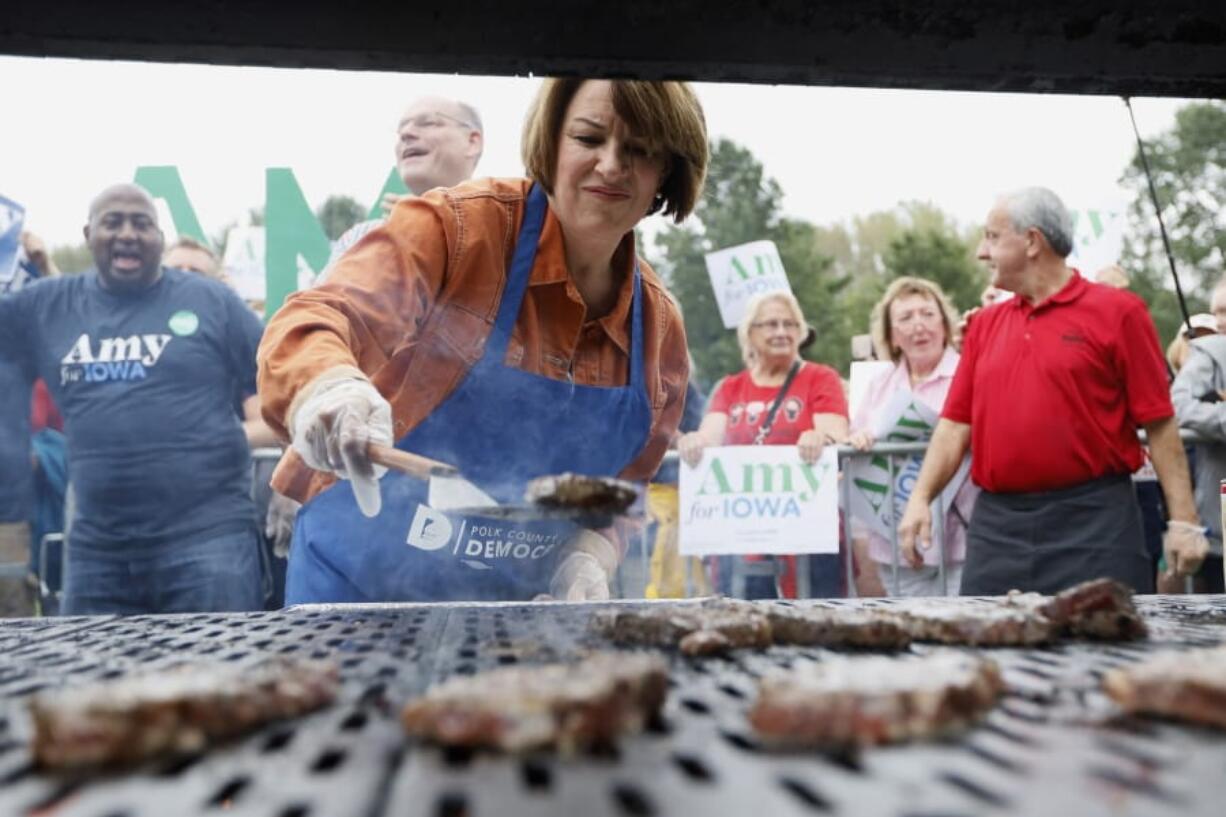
{"x": 76, "y": 126}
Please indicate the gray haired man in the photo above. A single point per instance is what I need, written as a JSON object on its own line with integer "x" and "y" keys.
{"x": 438, "y": 144}
{"x": 1050, "y": 391}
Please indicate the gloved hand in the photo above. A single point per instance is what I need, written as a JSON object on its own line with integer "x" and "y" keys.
{"x": 279, "y": 523}
{"x": 583, "y": 574}
{"x": 1184, "y": 545}
{"x": 332, "y": 426}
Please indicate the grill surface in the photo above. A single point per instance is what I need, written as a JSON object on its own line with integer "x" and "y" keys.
{"x": 1054, "y": 745}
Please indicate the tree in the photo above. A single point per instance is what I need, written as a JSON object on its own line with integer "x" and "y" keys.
{"x": 338, "y": 213}
{"x": 740, "y": 204}
{"x": 71, "y": 259}
{"x": 940, "y": 256}
{"x": 837, "y": 272}
{"x": 1188, "y": 163}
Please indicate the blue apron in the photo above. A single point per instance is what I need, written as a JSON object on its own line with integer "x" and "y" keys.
{"x": 501, "y": 426}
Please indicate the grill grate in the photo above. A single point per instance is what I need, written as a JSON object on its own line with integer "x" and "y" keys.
{"x": 1053, "y": 745}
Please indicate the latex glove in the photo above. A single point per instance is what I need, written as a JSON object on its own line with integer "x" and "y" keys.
{"x": 332, "y": 426}
{"x": 1184, "y": 545}
{"x": 579, "y": 577}
{"x": 915, "y": 531}
{"x": 279, "y": 523}
{"x": 583, "y": 574}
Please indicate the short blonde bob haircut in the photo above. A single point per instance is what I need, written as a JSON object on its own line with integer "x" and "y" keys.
{"x": 665, "y": 115}
{"x": 879, "y": 320}
{"x": 754, "y": 309}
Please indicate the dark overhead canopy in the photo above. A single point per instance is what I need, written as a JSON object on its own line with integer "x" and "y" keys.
{"x": 1175, "y": 48}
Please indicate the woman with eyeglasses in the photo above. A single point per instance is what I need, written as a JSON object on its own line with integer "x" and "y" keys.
{"x": 503, "y": 326}
{"x": 811, "y": 414}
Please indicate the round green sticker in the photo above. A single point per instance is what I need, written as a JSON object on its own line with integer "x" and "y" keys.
{"x": 184, "y": 322}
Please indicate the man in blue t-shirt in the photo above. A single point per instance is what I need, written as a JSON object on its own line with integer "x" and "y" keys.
{"x": 144, "y": 363}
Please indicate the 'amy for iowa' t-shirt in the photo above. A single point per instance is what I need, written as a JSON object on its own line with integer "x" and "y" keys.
{"x": 146, "y": 383}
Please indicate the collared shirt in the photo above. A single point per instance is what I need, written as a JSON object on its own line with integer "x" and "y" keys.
{"x": 413, "y": 302}
{"x": 1054, "y": 393}
{"x": 932, "y": 391}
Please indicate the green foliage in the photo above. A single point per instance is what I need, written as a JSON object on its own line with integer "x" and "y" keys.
{"x": 939, "y": 256}
{"x": 1188, "y": 163}
{"x": 338, "y": 213}
{"x": 740, "y": 204}
{"x": 1153, "y": 284}
{"x": 71, "y": 259}
{"x": 837, "y": 272}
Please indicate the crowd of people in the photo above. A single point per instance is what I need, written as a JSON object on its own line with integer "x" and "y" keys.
{"x": 510, "y": 328}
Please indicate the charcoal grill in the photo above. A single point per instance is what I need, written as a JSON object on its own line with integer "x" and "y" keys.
{"x": 1053, "y": 746}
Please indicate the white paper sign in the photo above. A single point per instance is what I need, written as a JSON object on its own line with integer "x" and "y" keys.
{"x": 1098, "y": 238}
{"x": 904, "y": 419}
{"x": 741, "y": 272}
{"x": 759, "y": 499}
{"x": 244, "y": 261}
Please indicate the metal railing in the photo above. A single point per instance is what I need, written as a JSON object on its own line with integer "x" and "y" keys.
{"x": 895, "y": 454}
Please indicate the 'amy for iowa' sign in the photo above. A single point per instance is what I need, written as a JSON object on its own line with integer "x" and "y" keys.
{"x": 760, "y": 499}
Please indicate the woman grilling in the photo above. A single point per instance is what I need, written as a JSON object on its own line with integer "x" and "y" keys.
{"x": 504, "y": 326}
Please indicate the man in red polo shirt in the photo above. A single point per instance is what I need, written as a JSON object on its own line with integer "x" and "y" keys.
{"x": 1051, "y": 389}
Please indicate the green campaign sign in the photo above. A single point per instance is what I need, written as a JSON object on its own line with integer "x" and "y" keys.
{"x": 292, "y": 232}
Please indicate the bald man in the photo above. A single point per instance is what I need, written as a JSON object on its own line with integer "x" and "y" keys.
{"x": 145, "y": 363}
{"x": 438, "y": 144}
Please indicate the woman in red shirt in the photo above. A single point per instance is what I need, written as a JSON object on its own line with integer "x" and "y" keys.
{"x": 812, "y": 414}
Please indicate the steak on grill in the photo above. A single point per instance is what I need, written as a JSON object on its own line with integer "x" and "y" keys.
{"x": 579, "y": 492}
{"x": 1101, "y": 608}
{"x": 1190, "y": 686}
{"x": 709, "y": 628}
{"x": 863, "y": 701}
{"x": 833, "y": 627}
{"x": 718, "y": 625}
{"x": 172, "y": 712}
{"x": 984, "y": 624}
{"x": 564, "y": 706}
